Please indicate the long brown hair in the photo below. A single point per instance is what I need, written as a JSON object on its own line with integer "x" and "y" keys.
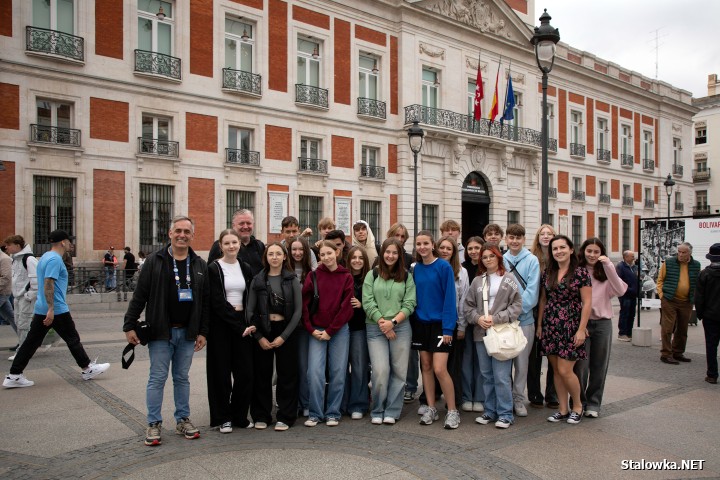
{"x": 425, "y": 233}
{"x": 454, "y": 259}
{"x": 286, "y": 262}
{"x": 553, "y": 267}
{"x": 492, "y": 248}
{"x": 537, "y": 248}
{"x": 598, "y": 270}
{"x": 304, "y": 263}
{"x": 396, "y": 272}
{"x": 366, "y": 262}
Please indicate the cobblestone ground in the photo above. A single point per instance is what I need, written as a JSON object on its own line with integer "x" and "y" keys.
{"x": 642, "y": 393}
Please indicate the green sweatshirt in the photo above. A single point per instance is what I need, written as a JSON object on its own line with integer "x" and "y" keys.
{"x": 385, "y": 298}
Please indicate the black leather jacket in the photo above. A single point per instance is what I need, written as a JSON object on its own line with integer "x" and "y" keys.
{"x": 151, "y": 294}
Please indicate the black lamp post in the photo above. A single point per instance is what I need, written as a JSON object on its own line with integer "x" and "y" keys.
{"x": 544, "y": 40}
{"x": 415, "y": 138}
{"x": 669, "y": 184}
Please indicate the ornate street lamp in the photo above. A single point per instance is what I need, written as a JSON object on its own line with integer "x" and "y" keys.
{"x": 415, "y": 138}
{"x": 669, "y": 184}
{"x": 544, "y": 40}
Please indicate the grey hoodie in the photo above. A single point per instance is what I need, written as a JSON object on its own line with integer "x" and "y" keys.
{"x": 506, "y": 308}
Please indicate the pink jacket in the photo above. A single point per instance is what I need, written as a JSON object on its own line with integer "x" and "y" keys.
{"x": 602, "y": 292}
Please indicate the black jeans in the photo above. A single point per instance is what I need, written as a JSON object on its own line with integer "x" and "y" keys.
{"x": 712, "y": 338}
{"x": 286, "y": 390}
{"x": 229, "y": 374}
{"x": 64, "y": 326}
{"x": 627, "y": 315}
{"x": 535, "y": 394}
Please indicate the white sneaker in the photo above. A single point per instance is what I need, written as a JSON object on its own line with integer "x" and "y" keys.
{"x": 15, "y": 381}
{"x": 226, "y": 427}
{"x": 389, "y": 421}
{"x": 592, "y": 413}
{"x": 376, "y": 421}
{"x": 356, "y": 415}
{"x": 11, "y": 358}
{"x": 94, "y": 369}
{"x": 478, "y": 407}
{"x": 422, "y": 409}
{"x": 467, "y": 406}
{"x": 260, "y": 425}
{"x": 332, "y": 422}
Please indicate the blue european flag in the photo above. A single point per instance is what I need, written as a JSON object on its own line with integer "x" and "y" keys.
{"x": 509, "y": 101}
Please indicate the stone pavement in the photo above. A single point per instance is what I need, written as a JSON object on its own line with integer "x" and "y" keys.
{"x": 64, "y": 427}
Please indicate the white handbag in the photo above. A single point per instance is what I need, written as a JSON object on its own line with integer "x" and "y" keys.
{"x": 506, "y": 340}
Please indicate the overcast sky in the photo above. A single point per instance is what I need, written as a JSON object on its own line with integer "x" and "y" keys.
{"x": 623, "y": 32}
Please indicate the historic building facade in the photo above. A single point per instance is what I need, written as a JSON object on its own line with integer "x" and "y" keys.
{"x": 119, "y": 114}
{"x": 706, "y": 150}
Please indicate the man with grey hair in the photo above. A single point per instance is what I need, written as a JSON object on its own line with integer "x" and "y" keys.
{"x": 252, "y": 249}
{"x": 627, "y": 271}
{"x": 676, "y": 288}
{"x": 173, "y": 289}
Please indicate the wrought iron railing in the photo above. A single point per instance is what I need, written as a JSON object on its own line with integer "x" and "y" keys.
{"x": 677, "y": 170}
{"x": 309, "y": 95}
{"x": 466, "y": 123}
{"x": 92, "y": 280}
{"x": 55, "y": 135}
{"x": 626, "y": 161}
{"x": 158, "y": 64}
{"x": 604, "y": 198}
{"x": 701, "y": 210}
{"x": 679, "y": 206}
{"x": 552, "y": 192}
{"x": 242, "y": 157}
{"x": 577, "y": 150}
{"x": 153, "y": 146}
{"x": 649, "y": 203}
{"x": 648, "y": 164}
{"x": 552, "y": 144}
{"x": 314, "y": 165}
{"x": 603, "y": 156}
{"x": 52, "y": 42}
{"x": 628, "y": 201}
{"x": 241, "y": 81}
{"x": 701, "y": 175}
{"x": 372, "y": 171}
{"x": 578, "y": 195}
{"x": 371, "y": 107}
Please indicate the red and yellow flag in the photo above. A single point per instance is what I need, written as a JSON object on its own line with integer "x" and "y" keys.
{"x": 494, "y": 110}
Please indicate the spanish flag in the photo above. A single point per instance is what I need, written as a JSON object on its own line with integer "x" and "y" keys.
{"x": 494, "y": 110}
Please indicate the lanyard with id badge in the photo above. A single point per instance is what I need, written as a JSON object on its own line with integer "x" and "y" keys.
{"x": 184, "y": 294}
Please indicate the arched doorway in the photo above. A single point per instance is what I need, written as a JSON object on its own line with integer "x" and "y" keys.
{"x": 475, "y": 206}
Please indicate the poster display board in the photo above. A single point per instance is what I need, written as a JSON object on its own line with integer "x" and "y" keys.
{"x": 342, "y": 214}
{"x": 277, "y": 210}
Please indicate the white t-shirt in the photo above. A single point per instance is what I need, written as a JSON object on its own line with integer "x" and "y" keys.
{"x": 234, "y": 282}
{"x": 494, "y": 285}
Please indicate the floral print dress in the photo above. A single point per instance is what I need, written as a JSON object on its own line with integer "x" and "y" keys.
{"x": 562, "y": 316}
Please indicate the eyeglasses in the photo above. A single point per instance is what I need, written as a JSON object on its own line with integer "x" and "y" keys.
{"x": 488, "y": 257}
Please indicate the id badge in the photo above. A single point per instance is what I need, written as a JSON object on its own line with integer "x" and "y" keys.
{"x": 185, "y": 295}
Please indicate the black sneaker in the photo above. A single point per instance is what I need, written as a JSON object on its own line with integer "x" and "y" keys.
{"x": 408, "y": 397}
{"x": 484, "y": 420}
{"x": 574, "y": 418}
{"x": 558, "y": 417}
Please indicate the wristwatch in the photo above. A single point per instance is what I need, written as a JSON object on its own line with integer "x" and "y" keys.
{"x": 394, "y": 322}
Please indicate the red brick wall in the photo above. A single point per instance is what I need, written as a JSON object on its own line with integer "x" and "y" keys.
{"x": 519, "y": 5}
{"x": 342, "y": 62}
{"x": 343, "y": 152}
{"x": 370, "y": 35}
{"x": 392, "y": 158}
{"x": 201, "y": 208}
{"x": 601, "y": 68}
{"x": 615, "y": 189}
{"x": 590, "y": 227}
{"x": 637, "y": 136}
{"x": 201, "y": 132}
{"x": 6, "y": 20}
{"x": 109, "y": 119}
{"x": 277, "y": 44}
{"x": 624, "y": 113}
{"x": 563, "y": 212}
{"x": 278, "y": 143}
{"x": 394, "y": 75}
{"x": 310, "y": 17}
{"x": 250, "y": 3}
{"x": 648, "y": 120}
{"x": 341, "y": 193}
{"x": 109, "y": 28}
{"x": 563, "y": 182}
{"x": 10, "y": 106}
{"x": 562, "y": 112}
{"x": 637, "y": 192}
{"x": 615, "y": 226}
{"x": 108, "y": 210}
{"x": 393, "y": 209}
{"x": 7, "y": 213}
{"x": 590, "y": 106}
{"x": 615, "y": 130}
{"x": 201, "y": 37}
{"x": 590, "y": 185}
{"x": 552, "y": 91}
{"x": 636, "y": 228}
{"x": 602, "y": 106}
{"x": 575, "y": 98}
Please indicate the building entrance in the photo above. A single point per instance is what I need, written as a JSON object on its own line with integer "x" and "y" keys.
{"x": 475, "y": 206}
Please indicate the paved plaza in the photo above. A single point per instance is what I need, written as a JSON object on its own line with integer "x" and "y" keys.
{"x": 64, "y": 427}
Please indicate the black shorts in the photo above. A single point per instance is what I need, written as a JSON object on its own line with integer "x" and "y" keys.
{"x": 425, "y": 337}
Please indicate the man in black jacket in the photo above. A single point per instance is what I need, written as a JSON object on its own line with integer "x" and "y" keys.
{"x": 707, "y": 308}
{"x": 252, "y": 249}
{"x": 173, "y": 289}
{"x": 627, "y": 271}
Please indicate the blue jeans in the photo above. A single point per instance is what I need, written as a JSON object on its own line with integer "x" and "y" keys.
{"x": 389, "y": 360}
{"x": 592, "y": 371}
{"x": 332, "y": 354}
{"x": 110, "y": 277}
{"x": 497, "y": 384}
{"x": 179, "y": 351}
{"x": 627, "y": 316}
{"x": 7, "y": 314}
{"x": 472, "y": 384}
{"x": 303, "y": 338}
{"x": 356, "y": 398}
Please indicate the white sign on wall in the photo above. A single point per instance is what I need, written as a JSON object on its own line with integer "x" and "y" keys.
{"x": 342, "y": 214}
{"x": 277, "y": 210}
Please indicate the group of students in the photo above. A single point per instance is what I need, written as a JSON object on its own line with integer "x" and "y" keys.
{"x": 341, "y": 336}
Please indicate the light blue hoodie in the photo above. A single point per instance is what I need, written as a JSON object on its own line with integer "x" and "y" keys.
{"x": 527, "y": 267}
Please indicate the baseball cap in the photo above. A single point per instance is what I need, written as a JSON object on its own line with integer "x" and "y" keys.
{"x": 57, "y": 236}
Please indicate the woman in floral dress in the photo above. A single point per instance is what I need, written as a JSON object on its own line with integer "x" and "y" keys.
{"x": 565, "y": 305}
